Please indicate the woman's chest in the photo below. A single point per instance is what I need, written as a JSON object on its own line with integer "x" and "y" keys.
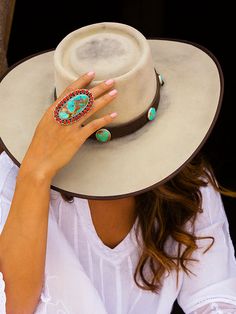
{"x": 111, "y": 271}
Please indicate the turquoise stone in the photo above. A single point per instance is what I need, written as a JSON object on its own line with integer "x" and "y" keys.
{"x": 74, "y": 106}
{"x": 71, "y": 105}
{"x": 78, "y": 101}
{"x": 103, "y": 135}
{"x": 151, "y": 113}
{"x": 63, "y": 115}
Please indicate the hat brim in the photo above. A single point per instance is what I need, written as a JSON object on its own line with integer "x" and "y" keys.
{"x": 190, "y": 102}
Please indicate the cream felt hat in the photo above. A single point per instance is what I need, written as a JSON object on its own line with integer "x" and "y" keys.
{"x": 158, "y": 128}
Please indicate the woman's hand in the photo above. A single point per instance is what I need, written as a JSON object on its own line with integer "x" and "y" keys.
{"x": 53, "y": 145}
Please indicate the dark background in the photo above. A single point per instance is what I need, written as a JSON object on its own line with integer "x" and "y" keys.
{"x": 38, "y": 26}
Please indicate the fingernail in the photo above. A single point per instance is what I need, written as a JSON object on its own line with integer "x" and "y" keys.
{"x": 113, "y": 92}
{"x": 91, "y": 73}
{"x": 109, "y": 82}
{"x": 113, "y": 114}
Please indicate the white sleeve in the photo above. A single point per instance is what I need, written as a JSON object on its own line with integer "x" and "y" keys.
{"x": 215, "y": 273}
{"x": 216, "y": 308}
{"x": 8, "y": 173}
{"x": 2, "y": 295}
{"x": 6, "y": 193}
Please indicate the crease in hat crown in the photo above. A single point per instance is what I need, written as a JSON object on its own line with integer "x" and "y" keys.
{"x": 112, "y": 50}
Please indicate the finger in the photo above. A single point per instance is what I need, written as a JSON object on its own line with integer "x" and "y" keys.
{"x": 81, "y": 82}
{"x": 102, "y": 88}
{"x": 95, "y": 125}
{"x": 98, "y": 104}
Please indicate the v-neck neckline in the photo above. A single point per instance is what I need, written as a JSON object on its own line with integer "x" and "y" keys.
{"x": 127, "y": 244}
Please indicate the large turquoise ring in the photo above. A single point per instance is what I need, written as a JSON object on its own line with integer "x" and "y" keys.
{"x": 73, "y": 106}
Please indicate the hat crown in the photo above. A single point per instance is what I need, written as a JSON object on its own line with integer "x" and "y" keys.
{"x": 112, "y": 50}
{"x": 106, "y": 53}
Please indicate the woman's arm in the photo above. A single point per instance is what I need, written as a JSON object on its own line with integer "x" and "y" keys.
{"x": 24, "y": 237}
{"x": 23, "y": 243}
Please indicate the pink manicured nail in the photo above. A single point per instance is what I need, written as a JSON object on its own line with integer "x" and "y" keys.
{"x": 113, "y": 92}
{"x": 113, "y": 114}
{"x": 91, "y": 73}
{"x": 109, "y": 82}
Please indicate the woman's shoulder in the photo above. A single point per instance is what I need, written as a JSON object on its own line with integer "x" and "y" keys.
{"x": 212, "y": 209}
{"x": 212, "y": 202}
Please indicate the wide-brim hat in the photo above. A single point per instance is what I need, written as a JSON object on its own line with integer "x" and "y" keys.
{"x": 159, "y": 128}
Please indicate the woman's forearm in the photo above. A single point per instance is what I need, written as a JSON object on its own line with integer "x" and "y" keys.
{"x": 23, "y": 243}
{"x": 24, "y": 237}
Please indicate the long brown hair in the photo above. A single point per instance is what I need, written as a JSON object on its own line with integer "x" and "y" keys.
{"x": 171, "y": 204}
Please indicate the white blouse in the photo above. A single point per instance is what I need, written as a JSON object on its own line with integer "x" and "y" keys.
{"x": 84, "y": 276}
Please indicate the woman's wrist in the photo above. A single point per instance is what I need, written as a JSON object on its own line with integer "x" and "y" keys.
{"x": 33, "y": 175}
{"x": 34, "y": 169}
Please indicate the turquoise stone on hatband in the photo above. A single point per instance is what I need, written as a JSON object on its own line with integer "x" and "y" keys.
{"x": 74, "y": 106}
{"x": 151, "y": 113}
{"x": 103, "y": 135}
